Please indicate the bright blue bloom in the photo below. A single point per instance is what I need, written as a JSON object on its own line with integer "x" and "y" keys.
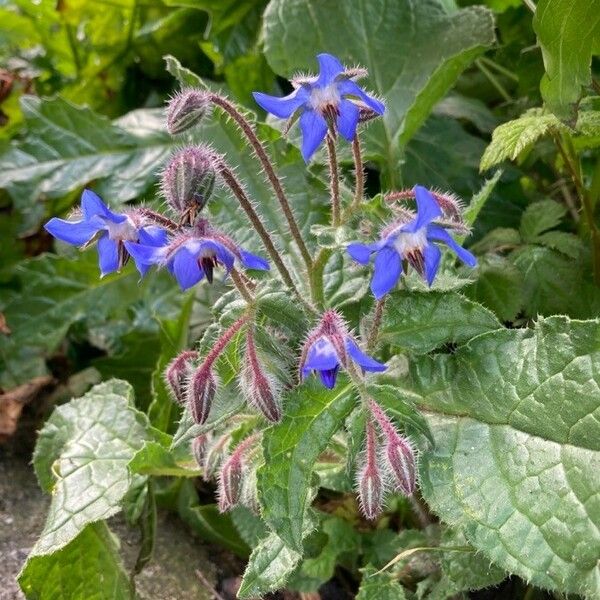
{"x": 190, "y": 258}
{"x": 322, "y": 101}
{"x": 111, "y": 230}
{"x": 323, "y": 358}
{"x": 415, "y": 241}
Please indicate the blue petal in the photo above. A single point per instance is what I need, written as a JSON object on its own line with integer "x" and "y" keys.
{"x": 329, "y": 376}
{"x": 432, "y": 255}
{"x": 321, "y": 356}
{"x": 108, "y": 255}
{"x": 439, "y": 234}
{"x": 314, "y": 129}
{"x": 212, "y": 247}
{"x": 348, "y": 119}
{"x": 387, "y": 271}
{"x": 73, "y": 232}
{"x": 152, "y": 235}
{"x": 351, "y": 88}
{"x": 92, "y": 205}
{"x": 361, "y": 253}
{"x": 329, "y": 68}
{"x": 145, "y": 255}
{"x": 363, "y": 360}
{"x": 186, "y": 269}
{"x": 427, "y": 210}
{"x": 283, "y": 107}
{"x": 251, "y": 261}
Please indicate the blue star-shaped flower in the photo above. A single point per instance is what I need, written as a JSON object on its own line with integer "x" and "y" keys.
{"x": 323, "y": 101}
{"x": 413, "y": 241}
{"x": 110, "y": 229}
{"x": 323, "y": 358}
{"x": 190, "y": 258}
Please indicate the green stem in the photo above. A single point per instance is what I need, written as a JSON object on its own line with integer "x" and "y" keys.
{"x": 377, "y": 318}
{"x": 493, "y": 80}
{"x": 316, "y": 276}
{"x": 334, "y": 181}
{"x": 502, "y": 70}
{"x": 359, "y": 172}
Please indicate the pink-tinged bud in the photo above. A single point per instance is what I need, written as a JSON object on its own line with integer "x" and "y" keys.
{"x": 177, "y": 374}
{"x": 214, "y": 455}
{"x": 259, "y": 389}
{"x": 199, "y": 444}
{"x": 231, "y": 476}
{"x": 371, "y": 489}
{"x": 201, "y": 391}
{"x": 186, "y": 109}
{"x": 399, "y": 453}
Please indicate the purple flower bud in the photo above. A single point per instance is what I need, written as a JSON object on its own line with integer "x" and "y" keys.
{"x": 214, "y": 455}
{"x": 199, "y": 444}
{"x": 188, "y": 181}
{"x": 201, "y": 391}
{"x": 177, "y": 374}
{"x": 258, "y": 388}
{"x": 399, "y": 454}
{"x": 231, "y": 476}
{"x": 371, "y": 487}
{"x": 186, "y": 109}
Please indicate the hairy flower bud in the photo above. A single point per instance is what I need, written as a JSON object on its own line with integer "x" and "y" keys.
{"x": 201, "y": 391}
{"x": 370, "y": 482}
{"x": 177, "y": 374}
{"x": 258, "y": 388}
{"x": 232, "y": 475}
{"x": 199, "y": 444}
{"x": 188, "y": 181}
{"x": 186, "y": 109}
{"x": 399, "y": 454}
{"x": 214, "y": 455}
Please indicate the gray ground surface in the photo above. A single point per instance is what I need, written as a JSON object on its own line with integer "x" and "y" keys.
{"x": 169, "y": 576}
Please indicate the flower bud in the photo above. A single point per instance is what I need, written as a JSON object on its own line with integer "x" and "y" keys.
{"x": 186, "y": 109}
{"x": 214, "y": 455}
{"x": 371, "y": 487}
{"x": 188, "y": 180}
{"x": 230, "y": 483}
{"x": 199, "y": 444}
{"x": 200, "y": 392}
{"x": 177, "y": 373}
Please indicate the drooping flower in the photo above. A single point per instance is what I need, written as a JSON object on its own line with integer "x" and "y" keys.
{"x": 415, "y": 241}
{"x": 193, "y": 255}
{"x": 330, "y": 346}
{"x": 112, "y": 231}
{"x": 330, "y": 100}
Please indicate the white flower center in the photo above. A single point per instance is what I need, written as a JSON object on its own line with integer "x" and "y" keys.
{"x": 407, "y": 242}
{"x": 321, "y": 98}
{"x": 125, "y": 231}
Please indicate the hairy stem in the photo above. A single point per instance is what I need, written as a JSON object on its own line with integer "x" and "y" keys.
{"x": 334, "y": 181}
{"x": 241, "y": 286}
{"x": 159, "y": 219}
{"x": 316, "y": 276}
{"x": 261, "y": 154}
{"x": 359, "y": 172}
{"x": 377, "y": 318}
{"x": 222, "y": 342}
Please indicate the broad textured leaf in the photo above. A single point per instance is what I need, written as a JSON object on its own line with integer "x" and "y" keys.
{"x": 154, "y": 459}
{"x": 514, "y": 137}
{"x": 421, "y": 322}
{"x": 539, "y": 217}
{"x": 88, "y": 567}
{"x": 312, "y": 414}
{"x": 270, "y": 564}
{"x": 430, "y": 43}
{"x": 382, "y": 586}
{"x": 82, "y": 456}
{"x": 514, "y": 414}
{"x": 568, "y": 32}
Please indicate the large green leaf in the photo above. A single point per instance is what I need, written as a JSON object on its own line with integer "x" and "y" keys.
{"x": 422, "y": 322}
{"x": 568, "y": 32}
{"x": 87, "y": 567}
{"x": 379, "y": 586}
{"x": 312, "y": 415}
{"x": 514, "y": 414}
{"x": 428, "y": 44}
{"x": 82, "y": 456}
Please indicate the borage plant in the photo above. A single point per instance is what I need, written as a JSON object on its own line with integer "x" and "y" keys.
{"x": 299, "y": 401}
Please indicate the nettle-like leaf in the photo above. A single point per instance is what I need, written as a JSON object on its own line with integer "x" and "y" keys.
{"x": 82, "y": 455}
{"x": 568, "y": 34}
{"x": 379, "y": 586}
{"x": 431, "y": 46}
{"x": 89, "y": 566}
{"x": 514, "y": 414}
{"x": 539, "y": 217}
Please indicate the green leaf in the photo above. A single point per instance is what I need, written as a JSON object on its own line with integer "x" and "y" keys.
{"x": 419, "y": 76}
{"x": 312, "y": 415}
{"x": 154, "y": 459}
{"x": 539, "y": 217}
{"x": 513, "y": 414}
{"x": 510, "y": 139}
{"x": 421, "y": 322}
{"x": 564, "y": 242}
{"x": 499, "y": 287}
{"x": 568, "y": 32}
{"x": 270, "y": 564}
{"x": 82, "y": 455}
{"x": 88, "y": 567}
{"x": 379, "y": 586}
{"x": 480, "y": 198}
